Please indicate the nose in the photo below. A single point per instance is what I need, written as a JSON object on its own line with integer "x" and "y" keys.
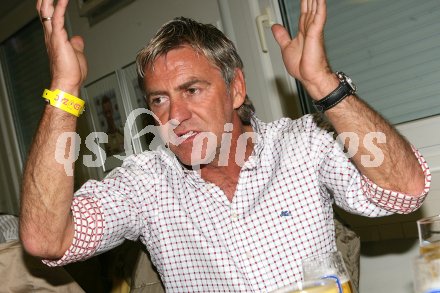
{"x": 179, "y": 110}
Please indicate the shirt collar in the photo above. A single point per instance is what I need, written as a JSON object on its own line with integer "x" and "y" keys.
{"x": 259, "y": 128}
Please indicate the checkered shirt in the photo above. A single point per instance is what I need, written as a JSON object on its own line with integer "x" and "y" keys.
{"x": 281, "y": 211}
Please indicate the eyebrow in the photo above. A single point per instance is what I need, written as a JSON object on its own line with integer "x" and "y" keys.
{"x": 191, "y": 82}
{"x": 181, "y": 87}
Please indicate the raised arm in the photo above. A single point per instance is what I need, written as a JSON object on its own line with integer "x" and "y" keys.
{"x": 305, "y": 59}
{"x": 46, "y": 226}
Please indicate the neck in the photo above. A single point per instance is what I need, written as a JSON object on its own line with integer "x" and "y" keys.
{"x": 225, "y": 169}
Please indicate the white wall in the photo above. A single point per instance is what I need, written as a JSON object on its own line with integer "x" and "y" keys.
{"x": 386, "y": 266}
{"x": 114, "y": 42}
{"x": 271, "y": 89}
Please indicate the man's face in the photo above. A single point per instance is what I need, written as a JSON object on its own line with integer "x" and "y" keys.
{"x": 186, "y": 91}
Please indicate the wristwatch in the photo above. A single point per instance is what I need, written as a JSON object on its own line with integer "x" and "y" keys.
{"x": 346, "y": 88}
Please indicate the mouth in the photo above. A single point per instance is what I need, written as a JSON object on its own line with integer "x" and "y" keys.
{"x": 184, "y": 136}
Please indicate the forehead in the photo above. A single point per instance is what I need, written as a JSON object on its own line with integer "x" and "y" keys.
{"x": 184, "y": 58}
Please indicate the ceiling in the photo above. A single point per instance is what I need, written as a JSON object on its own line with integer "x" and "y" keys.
{"x": 7, "y": 6}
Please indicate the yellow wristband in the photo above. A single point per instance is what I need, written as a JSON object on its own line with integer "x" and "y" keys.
{"x": 64, "y": 101}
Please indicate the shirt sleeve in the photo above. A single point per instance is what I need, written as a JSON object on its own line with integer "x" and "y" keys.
{"x": 353, "y": 192}
{"x": 395, "y": 201}
{"x": 89, "y": 226}
{"x": 105, "y": 213}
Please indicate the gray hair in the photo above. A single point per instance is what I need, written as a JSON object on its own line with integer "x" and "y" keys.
{"x": 203, "y": 38}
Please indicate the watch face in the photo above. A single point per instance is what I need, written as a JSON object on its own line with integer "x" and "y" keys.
{"x": 347, "y": 80}
{"x": 350, "y": 83}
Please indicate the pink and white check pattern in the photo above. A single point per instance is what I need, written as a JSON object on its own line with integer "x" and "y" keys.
{"x": 200, "y": 242}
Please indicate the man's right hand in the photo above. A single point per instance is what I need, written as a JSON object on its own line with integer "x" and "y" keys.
{"x": 67, "y": 61}
{"x": 46, "y": 221}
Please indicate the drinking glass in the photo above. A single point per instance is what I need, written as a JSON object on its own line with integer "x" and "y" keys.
{"x": 328, "y": 266}
{"x": 427, "y": 273}
{"x": 429, "y": 234}
{"x": 311, "y": 286}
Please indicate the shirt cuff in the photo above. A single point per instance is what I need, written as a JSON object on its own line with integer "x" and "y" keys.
{"x": 394, "y": 201}
{"x": 89, "y": 226}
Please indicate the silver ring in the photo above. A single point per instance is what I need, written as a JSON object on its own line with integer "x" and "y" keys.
{"x": 43, "y": 19}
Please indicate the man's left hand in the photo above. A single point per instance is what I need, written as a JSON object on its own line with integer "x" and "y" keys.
{"x": 304, "y": 56}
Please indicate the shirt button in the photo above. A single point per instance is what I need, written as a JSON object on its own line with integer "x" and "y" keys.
{"x": 234, "y": 216}
{"x": 249, "y": 254}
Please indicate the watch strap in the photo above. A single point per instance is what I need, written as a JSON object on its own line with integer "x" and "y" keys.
{"x": 335, "y": 97}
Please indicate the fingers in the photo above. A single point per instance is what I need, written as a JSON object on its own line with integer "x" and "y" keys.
{"x": 309, "y": 6}
{"x": 38, "y": 7}
{"x": 306, "y": 16}
{"x": 304, "y": 6}
{"x": 281, "y": 35}
{"x": 312, "y": 7}
{"x": 45, "y": 10}
{"x": 59, "y": 13}
{"x": 52, "y": 16}
{"x": 319, "y": 13}
{"x": 321, "y": 10}
{"x": 312, "y": 11}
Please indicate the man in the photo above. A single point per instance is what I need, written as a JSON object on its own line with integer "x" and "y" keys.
{"x": 240, "y": 202}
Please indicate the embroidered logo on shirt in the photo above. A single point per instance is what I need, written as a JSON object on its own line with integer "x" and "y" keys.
{"x": 286, "y": 214}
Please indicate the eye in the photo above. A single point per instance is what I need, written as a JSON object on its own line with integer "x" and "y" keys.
{"x": 193, "y": 90}
{"x": 157, "y": 100}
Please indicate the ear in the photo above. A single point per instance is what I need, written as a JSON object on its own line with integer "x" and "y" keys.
{"x": 238, "y": 89}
